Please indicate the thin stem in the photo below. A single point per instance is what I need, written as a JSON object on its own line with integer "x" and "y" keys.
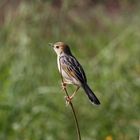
{"x": 72, "y": 107}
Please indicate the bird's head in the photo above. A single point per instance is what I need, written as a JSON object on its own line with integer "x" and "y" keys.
{"x": 61, "y": 47}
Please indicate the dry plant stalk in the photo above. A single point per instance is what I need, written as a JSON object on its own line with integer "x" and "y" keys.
{"x": 72, "y": 108}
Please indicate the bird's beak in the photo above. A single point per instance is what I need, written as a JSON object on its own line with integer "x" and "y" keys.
{"x": 51, "y": 44}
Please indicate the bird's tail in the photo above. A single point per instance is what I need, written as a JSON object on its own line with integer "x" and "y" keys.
{"x": 91, "y": 95}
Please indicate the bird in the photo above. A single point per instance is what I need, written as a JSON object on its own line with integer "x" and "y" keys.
{"x": 72, "y": 71}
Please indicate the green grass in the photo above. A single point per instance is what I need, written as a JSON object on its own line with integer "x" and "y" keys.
{"x": 32, "y": 105}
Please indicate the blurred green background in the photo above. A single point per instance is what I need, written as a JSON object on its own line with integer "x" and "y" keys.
{"x": 105, "y": 37}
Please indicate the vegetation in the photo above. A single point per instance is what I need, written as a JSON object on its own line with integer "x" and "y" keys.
{"x": 106, "y": 42}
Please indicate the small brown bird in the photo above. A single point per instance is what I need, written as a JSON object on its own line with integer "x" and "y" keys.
{"x": 71, "y": 70}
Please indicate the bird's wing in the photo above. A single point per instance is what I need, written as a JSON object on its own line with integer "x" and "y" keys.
{"x": 73, "y": 68}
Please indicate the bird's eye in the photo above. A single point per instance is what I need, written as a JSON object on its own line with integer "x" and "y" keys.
{"x": 57, "y": 47}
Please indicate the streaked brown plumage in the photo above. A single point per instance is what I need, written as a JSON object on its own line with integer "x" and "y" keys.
{"x": 71, "y": 70}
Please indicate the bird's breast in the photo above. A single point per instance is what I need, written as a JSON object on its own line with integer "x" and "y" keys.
{"x": 58, "y": 64}
{"x": 67, "y": 78}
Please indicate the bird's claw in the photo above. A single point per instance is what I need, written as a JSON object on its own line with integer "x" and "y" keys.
{"x": 68, "y": 100}
{"x": 63, "y": 85}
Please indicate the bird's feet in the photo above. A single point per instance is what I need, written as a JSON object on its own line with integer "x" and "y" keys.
{"x": 63, "y": 85}
{"x": 68, "y": 99}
